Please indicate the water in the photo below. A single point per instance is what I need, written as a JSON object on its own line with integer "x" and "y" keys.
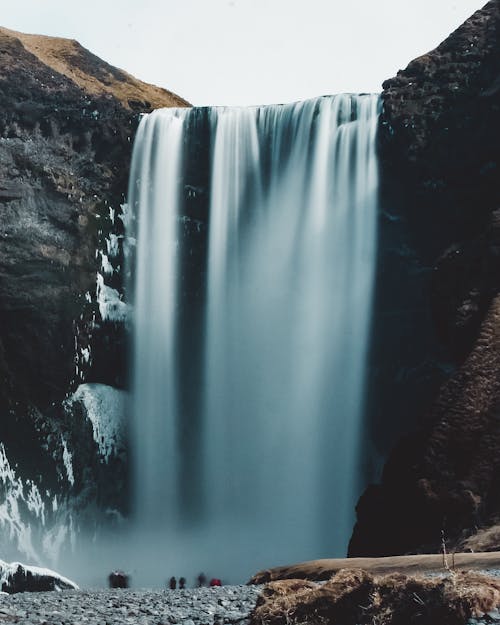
{"x": 253, "y": 276}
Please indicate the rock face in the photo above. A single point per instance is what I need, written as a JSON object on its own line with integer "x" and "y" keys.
{"x": 446, "y": 478}
{"x": 439, "y": 135}
{"x": 440, "y": 152}
{"x": 67, "y": 122}
{"x": 66, "y": 127}
{"x": 439, "y": 120}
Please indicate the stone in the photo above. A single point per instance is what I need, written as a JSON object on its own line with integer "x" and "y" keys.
{"x": 17, "y": 578}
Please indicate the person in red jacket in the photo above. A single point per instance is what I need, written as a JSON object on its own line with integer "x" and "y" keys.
{"x": 215, "y": 582}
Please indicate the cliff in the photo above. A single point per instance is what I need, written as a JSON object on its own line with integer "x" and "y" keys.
{"x": 67, "y": 122}
{"x": 439, "y": 142}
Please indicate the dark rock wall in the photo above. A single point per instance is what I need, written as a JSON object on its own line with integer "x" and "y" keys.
{"x": 439, "y": 139}
{"x": 439, "y": 144}
{"x": 64, "y": 162}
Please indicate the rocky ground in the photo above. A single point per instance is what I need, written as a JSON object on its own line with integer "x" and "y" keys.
{"x": 200, "y": 606}
{"x": 228, "y": 605}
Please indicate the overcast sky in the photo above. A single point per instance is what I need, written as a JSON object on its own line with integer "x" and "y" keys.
{"x": 249, "y": 51}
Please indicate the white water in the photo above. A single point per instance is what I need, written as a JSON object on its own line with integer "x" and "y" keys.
{"x": 249, "y": 361}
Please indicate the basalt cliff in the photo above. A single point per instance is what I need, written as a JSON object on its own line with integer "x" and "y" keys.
{"x": 439, "y": 142}
{"x": 67, "y": 123}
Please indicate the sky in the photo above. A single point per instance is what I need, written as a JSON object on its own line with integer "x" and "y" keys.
{"x": 244, "y": 52}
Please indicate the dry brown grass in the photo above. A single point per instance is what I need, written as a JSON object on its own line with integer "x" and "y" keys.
{"x": 68, "y": 57}
{"x": 486, "y": 539}
{"x": 354, "y": 597}
{"x": 319, "y": 570}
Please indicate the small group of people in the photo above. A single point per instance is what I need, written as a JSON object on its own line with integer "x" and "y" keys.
{"x": 173, "y": 583}
{"x": 119, "y": 579}
{"x": 201, "y": 581}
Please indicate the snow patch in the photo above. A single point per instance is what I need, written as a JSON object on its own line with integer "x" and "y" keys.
{"x": 17, "y": 494}
{"x": 106, "y": 266}
{"x": 68, "y": 463}
{"x": 111, "y": 306}
{"x": 85, "y": 352}
{"x": 126, "y": 215}
{"x": 34, "y": 501}
{"x": 105, "y": 408}
{"x": 112, "y": 245}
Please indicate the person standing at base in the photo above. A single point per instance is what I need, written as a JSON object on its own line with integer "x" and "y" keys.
{"x": 182, "y": 583}
{"x": 172, "y": 583}
{"x": 202, "y": 580}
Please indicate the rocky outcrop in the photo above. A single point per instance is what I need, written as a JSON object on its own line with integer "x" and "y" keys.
{"x": 440, "y": 120}
{"x": 440, "y": 152}
{"x": 67, "y": 123}
{"x": 18, "y": 577}
{"x": 439, "y": 137}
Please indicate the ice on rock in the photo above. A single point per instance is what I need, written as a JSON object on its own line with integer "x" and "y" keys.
{"x": 111, "y": 306}
{"x": 85, "y": 351}
{"x": 34, "y": 502}
{"x": 68, "y": 463}
{"x": 112, "y": 245}
{"x": 106, "y": 266}
{"x": 126, "y": 215}
{"x": 105, "y": 408}
{"x": 12, "y": 522}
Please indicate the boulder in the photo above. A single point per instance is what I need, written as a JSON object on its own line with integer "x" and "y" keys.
{"x": 16, "y": 577}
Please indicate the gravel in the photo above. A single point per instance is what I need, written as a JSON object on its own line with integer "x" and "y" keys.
{"x": 226, "y": 605}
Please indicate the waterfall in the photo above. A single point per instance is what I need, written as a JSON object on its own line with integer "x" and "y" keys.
{"x": 255, "y": 235}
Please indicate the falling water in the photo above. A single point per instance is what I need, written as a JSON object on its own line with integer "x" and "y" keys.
{"x": 253, "y": 272}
